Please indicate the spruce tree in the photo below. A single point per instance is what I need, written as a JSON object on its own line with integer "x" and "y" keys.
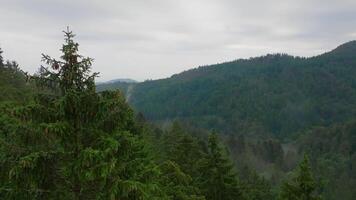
{"x": 177, "y": 184}
{"x": 218, "y": 181}
{"x": 180, "y": 165}
{"x": 13, "y": 85}
{"x": 255, "y": 186}
{"x": 303, "y": 186}
{"x": 183, "y": 149}
{"x": 71, "y": 142}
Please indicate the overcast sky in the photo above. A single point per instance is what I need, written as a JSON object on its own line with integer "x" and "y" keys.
{"x": 150, "y": 39}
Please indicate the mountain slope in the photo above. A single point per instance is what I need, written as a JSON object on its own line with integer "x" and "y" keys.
{"x": 273, "y": 94}
{"x": 115, "y": 84}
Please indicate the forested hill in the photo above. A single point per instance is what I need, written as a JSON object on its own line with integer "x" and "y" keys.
{"x": 63, "y": 139}
{"x": 273, "y": 94}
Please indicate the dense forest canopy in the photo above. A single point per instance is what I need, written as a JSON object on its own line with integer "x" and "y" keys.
{"x": 284, "y": 128}
{"x": 275, "y": 94}
{"x": 271, "y": 109}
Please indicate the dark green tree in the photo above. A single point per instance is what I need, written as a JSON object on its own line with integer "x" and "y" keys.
{"x": 181, "y": 155}
{"x": 177, "y": 184}
{"x": 255, "y": 187}
{"x": 13, "y": 85}
{"x": 218, "y": 181}
{"x": 303, "y": 186}
{"x": 183, "y": 149}
{"x": 71, "y": 142}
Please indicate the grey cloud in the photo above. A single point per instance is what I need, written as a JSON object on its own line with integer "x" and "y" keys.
{"x": 155, "y": 38}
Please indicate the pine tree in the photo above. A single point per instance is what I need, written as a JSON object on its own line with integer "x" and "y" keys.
{"x": 218, "y": 180}
{"x": 255, "y": 187}
{"x": 177, "y": 184}
{"x": 183, "y": 149}
{"x": 302, "y": 186}
{"x": 71, "y": 142}
{"x": 181, "y": 156}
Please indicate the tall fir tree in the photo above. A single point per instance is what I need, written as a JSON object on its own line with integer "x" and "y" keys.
{"x": 71, "y": 142}
{"x": 218, "y": 181}
{"x": 181, "y": 155}
{"x": 303, "y": 186}
{"x": 254, "y": 186}
{"x": 177, "y": 184}
{"x": 183, "y": 149}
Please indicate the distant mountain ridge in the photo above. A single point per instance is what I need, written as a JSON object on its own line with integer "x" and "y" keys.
{"x": 274, "y": 94}
{"x": 122, "y": 84}
{"x": 122, "y": 80}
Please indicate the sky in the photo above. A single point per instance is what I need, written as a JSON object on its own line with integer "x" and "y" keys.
{"x": 152, "y": 39}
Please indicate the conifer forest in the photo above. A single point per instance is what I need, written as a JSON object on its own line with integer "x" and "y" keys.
{"x": 270, "y": 127}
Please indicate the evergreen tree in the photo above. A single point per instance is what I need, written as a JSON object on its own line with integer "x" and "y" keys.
{"x": 183, "y": 149}
{"x": 181, "y": 154}
{"x": 302, "y": 186}
{"x": 13, "y": 85}
{"x": 177, "y": 184}
{"x": 218, "y": 181}
{"x": 1, "y": 58}
{"x": 71, "y": 142}
{"x": 255, "y": 187}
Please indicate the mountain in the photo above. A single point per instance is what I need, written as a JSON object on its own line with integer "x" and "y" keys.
{"x": 121, "y": 80}
{"x": 114, "y": 84}
{"x": 274, "y": 95}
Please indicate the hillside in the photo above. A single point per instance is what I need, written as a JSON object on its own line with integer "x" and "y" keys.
{"x": 273, "y": 94}
{"x": 62, "y": 139}
{"x": 114, "y": 85}
{"x": 243, "y": 97}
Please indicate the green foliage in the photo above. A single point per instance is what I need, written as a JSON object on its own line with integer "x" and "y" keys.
{"x": 218, "y": 180}
{"x": 180, "y": 152}
{"x": 255, "y": 187}
{"x": 177, "y": 184}
{"x": 303, "y": 186}
{"x": 62, "y": 139}
{"x": 183, "y": 149}
{"x": 273, "y": 94}
{"x": 13, "y": 85}
{"x": 333, "y": 153}
{"x": 71, "y": 142}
